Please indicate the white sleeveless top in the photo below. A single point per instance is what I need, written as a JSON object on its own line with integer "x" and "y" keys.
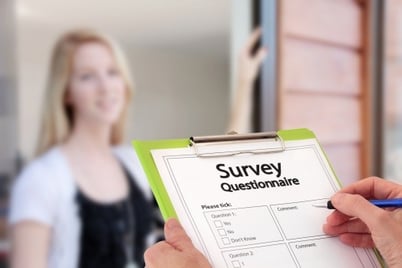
{"x": 45, "y": 192}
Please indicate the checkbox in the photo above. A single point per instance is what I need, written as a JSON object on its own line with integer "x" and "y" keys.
{"x": 222, "y": 232}
{"x": 218, "y": 224}
{"x": 226, "y": 241}
{"x": 236, "y": 264}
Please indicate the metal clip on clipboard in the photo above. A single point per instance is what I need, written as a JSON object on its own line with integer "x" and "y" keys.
{"x": 234, "y": 144}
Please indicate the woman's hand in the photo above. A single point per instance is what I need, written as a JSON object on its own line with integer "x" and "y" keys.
{"x": 358, "y": 223}
{"x": 249, "y": 65}
{"x": 249, "y": 62}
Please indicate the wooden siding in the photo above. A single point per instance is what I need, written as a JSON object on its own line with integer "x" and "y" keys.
{"x": 321, "y": 84}
{"x": 393, "y": 63}
{"x": 332, "y": 118}
{"x": 320, "y": 68}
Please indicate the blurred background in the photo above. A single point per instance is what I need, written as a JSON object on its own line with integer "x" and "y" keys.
{"x": 333, "y": 66}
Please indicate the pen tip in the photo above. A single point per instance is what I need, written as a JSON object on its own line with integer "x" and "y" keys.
{"x": 319, "y": 206}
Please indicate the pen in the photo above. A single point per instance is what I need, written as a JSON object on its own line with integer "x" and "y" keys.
{"x": 382, "y": 203}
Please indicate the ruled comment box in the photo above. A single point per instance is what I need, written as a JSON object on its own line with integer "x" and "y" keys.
{"x": 309, "y": 253}
{"x": 301, "y": 219}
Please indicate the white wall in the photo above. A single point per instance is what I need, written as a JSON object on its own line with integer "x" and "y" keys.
{"x": 32, "y": 60}
{"x": 179, "y": 94}
{"x": 241, "y": 27}
{"x": 8, "y": 111}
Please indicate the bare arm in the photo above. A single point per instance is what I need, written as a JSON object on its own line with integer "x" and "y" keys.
{"x": 249, "y": 64}
{"x": 30, "y": 242}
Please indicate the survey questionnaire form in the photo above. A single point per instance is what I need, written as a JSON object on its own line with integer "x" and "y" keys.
{"x": 256, "y": 209}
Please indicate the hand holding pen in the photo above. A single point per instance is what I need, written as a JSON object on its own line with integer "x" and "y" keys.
{"x": 359, "y": 223}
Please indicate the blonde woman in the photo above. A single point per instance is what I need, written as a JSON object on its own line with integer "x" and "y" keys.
{"x": 84, "y": 202}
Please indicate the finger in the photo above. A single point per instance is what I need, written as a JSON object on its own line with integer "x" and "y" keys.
{"x": 152, "y": 256}
{"x": 374, "y": 187}
{"x": 356, "y": 206}
{"x": 357, "y": 240}
{"x": 252, "y": 40}
{"x": 176, "y": 236}
{"x": 260, "y": 56}
{"x": 337, "y": 218}
{"x": 352, "y": 226}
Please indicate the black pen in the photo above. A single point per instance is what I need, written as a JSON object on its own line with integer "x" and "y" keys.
{"x": 382, "y": 203}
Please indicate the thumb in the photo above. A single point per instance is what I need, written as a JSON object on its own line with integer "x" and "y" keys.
{"x": 357, "y": 206}
{"x": 176, "y": 236}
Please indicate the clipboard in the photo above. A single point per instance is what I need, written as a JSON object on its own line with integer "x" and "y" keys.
{"x": 143, "y": 149}
{"x": 224, "y": 246}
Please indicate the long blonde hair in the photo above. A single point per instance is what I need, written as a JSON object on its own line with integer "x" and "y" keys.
{"x": 57, "y": 120}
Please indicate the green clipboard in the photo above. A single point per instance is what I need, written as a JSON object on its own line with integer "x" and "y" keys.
{"x": 143, "y": 149}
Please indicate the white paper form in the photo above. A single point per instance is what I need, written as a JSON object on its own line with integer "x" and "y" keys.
{"x": 256, "y": 210}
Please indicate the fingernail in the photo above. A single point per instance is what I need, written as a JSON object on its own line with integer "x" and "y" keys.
{"x": 172, "y": 224}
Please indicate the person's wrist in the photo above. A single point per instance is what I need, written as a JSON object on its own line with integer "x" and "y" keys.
{"x": 395, "y": 264}
{"x": 246, "y": 81}
{"x": 395, "y": 259}
{"x": 245, "y": 87}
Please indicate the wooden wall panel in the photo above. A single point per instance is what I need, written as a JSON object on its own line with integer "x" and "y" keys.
{"x": 332, "y": 119}
{"x": 335, "y": 21}
{"x": 393, "y": 63}
{"x": 392, "y": 118}
{"x": 321, "y": 77}
{"x": 315, "y": 67}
